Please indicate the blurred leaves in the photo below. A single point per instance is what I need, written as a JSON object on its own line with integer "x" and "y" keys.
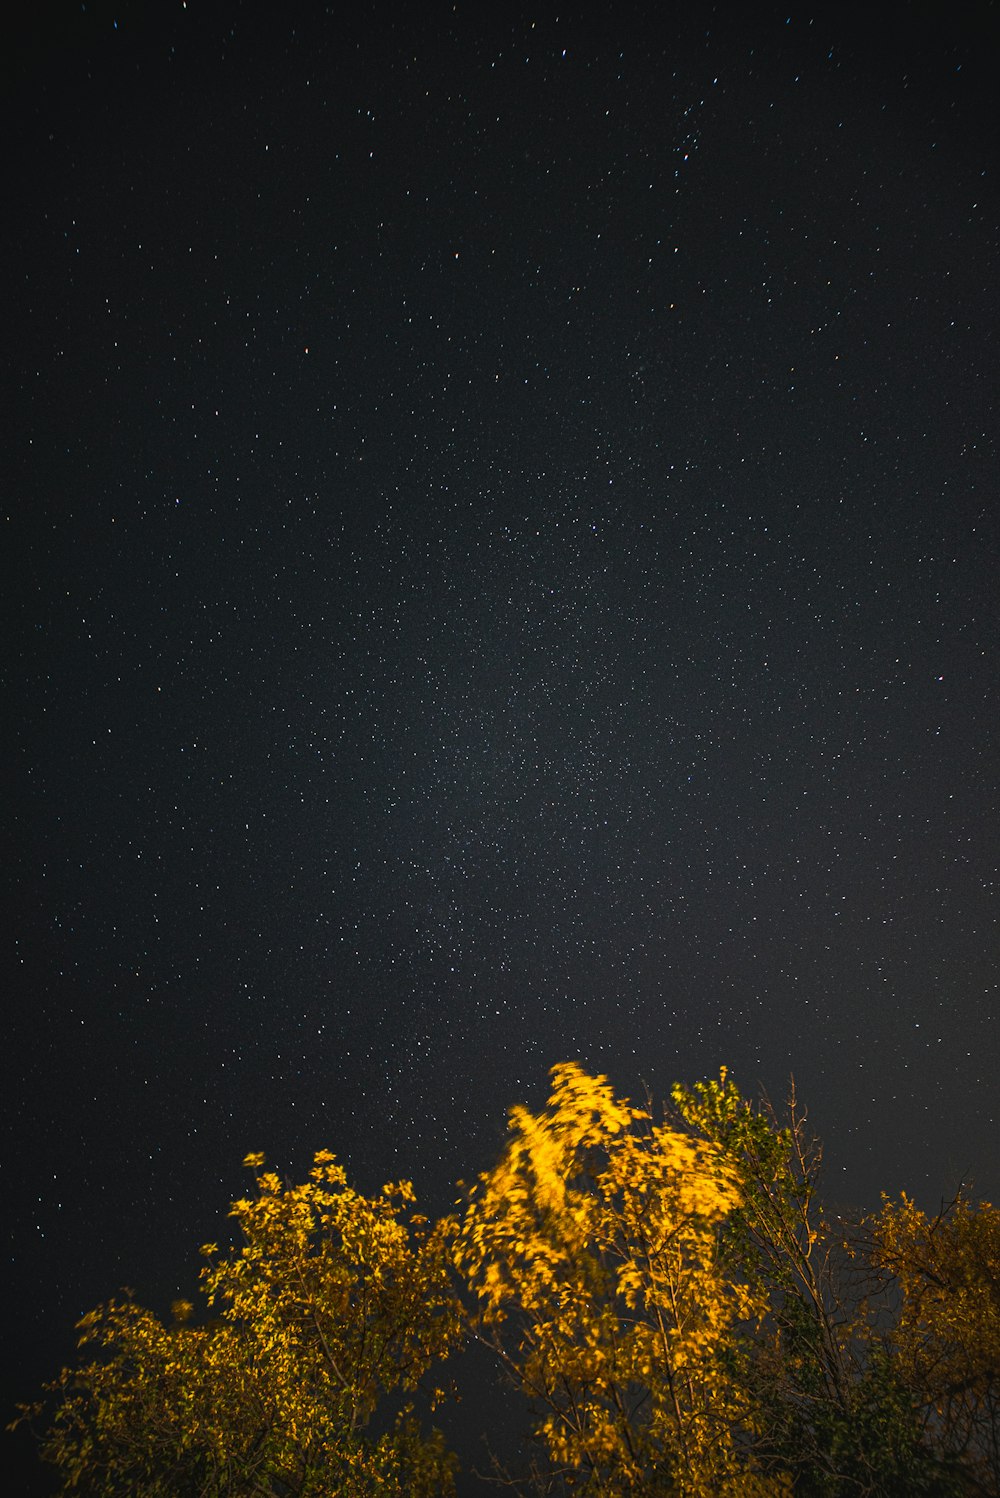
{"x": 668, "y": 1296}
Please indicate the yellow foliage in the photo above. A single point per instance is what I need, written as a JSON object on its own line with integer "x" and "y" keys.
{"x": 592, "y": 1250}
{"x": 947, "y": 1336}
{"x": 331, "y": 1302}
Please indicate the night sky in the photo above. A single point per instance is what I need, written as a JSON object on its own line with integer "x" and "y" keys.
{"x": 501, "y": 566}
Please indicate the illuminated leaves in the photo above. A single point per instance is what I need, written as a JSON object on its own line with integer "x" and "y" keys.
{"x": 332, "y": 1301}
{"x": 592, "y": 1251}
{"x": 338, "y": 1282}
{"x": 668, "y": 1296}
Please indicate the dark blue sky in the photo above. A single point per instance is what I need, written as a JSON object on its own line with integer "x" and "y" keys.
{"x": 503, "y": 535}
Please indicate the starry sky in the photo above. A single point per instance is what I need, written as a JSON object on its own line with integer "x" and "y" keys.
{"x": 501, "y": 566}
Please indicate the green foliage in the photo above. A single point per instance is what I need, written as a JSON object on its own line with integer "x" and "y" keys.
{"x": 824, "y": 1403}
{"x": 679, "y": 1314}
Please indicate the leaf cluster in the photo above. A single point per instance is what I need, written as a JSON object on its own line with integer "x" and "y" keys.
{"x": 667, "y": 1294}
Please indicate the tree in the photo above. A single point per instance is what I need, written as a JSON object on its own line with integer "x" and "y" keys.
{"x": 333, "y": 1302}
{"x": 825, "y": 1403}
{"x": 946, "y": 1338}
{"x": 591, "y": 1249}
{"x": 670, "y": 1297}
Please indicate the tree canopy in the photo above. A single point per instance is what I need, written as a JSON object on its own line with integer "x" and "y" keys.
{"x": 665, "y": 1294}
